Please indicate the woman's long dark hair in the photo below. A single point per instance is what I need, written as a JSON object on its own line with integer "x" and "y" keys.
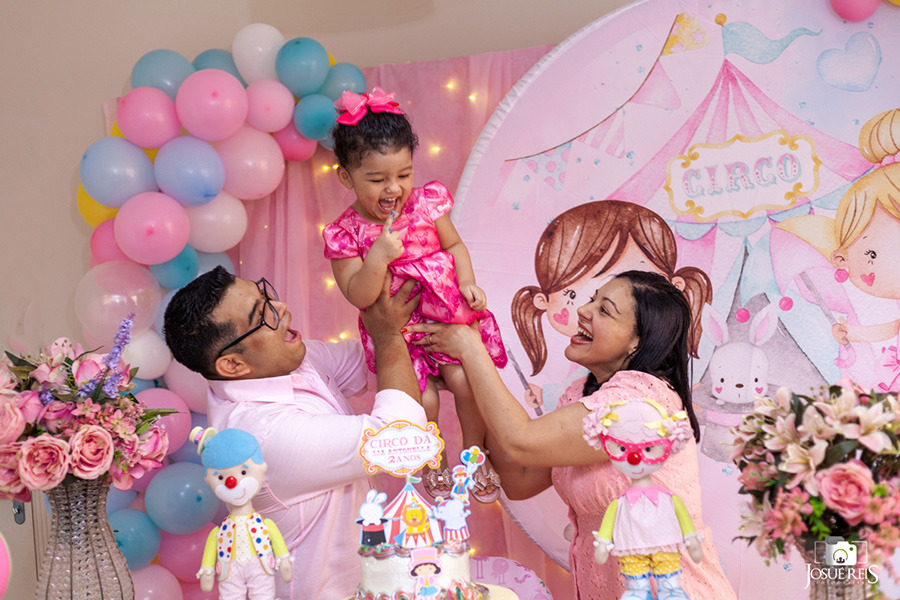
{"x": 663, "y": 326}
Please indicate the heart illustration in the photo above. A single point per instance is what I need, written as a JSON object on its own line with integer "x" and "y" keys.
{"x": 718, "y": 390}
{"x": 854, "y": 68}
{"x": 868, "y": 279}
{"x": 759, "y": 390}
{"x": 562, "y": 317}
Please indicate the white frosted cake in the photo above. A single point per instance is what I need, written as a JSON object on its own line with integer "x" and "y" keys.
{"x": 385, "y": 574}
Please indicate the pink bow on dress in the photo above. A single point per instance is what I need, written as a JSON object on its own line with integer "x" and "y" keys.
{"x": 633, "y": 494}
{"x": 353, "y": 106}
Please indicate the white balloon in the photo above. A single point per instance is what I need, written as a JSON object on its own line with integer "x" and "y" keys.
{"x": 217, "y": 225}
{"x": 149, "y": 353}
{"x": 254, "y": 49}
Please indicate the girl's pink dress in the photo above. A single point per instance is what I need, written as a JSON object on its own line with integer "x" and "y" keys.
{"x": 589, "y": 489}
{"x": 423, "y": 259}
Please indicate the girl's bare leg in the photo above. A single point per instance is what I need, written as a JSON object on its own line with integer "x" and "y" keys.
{"x": 436, "y": 482}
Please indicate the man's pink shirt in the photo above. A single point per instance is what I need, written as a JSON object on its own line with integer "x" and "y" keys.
{"x": 310, "y": 437}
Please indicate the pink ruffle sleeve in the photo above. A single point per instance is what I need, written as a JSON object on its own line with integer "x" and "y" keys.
{"x": 436, "y": 199}
{"x": 339, "y": 243}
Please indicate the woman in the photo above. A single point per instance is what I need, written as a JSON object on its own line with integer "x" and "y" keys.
{"x": 634, "y": 338}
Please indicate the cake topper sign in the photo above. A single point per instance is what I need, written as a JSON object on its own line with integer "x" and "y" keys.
{"x": 400, "y": 448}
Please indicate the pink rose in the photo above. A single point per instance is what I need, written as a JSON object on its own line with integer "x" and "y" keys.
{"x": 11, "y": 486}
{"x": 87, "y": 367}
{"x": 92, "y": 452}
{"x": 29, "y": 402}
{"x": 12, "y": 423}
{"x": 154, "y": 447}
{"x": 52, "y": 376}
{"x": 44, "y": 462}
{"x": 56, "y": 414}
{"x": 846, "y": 488}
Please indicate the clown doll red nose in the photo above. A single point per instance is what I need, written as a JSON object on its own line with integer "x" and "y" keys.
{"x": 634, "y": 458}
{"x": 231, "y": 482}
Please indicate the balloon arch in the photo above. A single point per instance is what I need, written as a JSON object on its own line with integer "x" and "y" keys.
{"x": 165, "y": 193}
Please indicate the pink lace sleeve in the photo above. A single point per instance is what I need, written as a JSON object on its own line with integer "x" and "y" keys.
{"x": 339, "y": 243}
{"x": 436, "y": 199}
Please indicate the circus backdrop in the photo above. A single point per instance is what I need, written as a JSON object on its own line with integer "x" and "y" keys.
{"x": 729, "y": 132}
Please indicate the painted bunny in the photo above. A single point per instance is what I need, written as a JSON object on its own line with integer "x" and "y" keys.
{"x": 371, "y": 517}
{"x": 739, "y": 372}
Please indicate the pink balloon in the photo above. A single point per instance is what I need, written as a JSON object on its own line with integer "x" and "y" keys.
{"x": 155, "y": 582}
{"x": 103, "y": 244}
{"x": 177, "y": 425}
{"x": 855, "y": 10}
{"x": 111, "y": 291}
{"x": 192, "y": 591}
{"x": 147, "y": 117}
{"x": 293, "y": 144}
{"x": 4, "y": 565}
{"x": 271, "y": 105}
{"x": 212, "y": 104}
{"x": 138, "y": 502}
{"x": 189, "y": 385}
{"x": 151, "y": 228}
{"x": 254, "y": 164}
{"x": 218, "y": 225}
{"x": 182, "y": 554}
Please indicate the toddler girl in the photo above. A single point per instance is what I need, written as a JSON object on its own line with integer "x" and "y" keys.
{"x": 393, "y": 229}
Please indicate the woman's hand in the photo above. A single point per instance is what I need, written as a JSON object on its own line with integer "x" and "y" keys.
{"x": 454, "y": 340}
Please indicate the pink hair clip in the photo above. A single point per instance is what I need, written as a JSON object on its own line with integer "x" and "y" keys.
{"x": 353, "y": 106}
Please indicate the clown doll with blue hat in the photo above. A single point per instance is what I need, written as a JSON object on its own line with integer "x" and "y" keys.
{"x": 246, "y": 549}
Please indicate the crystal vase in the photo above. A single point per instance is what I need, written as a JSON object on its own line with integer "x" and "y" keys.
{"x": 82, "y": 560}
{"x": 831, "y": 582}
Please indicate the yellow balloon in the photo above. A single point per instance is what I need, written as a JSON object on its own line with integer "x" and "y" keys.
{"x": 92, "y": 211}
{"x": 897, "y": 2}
{"x": 331, "y": 58}
{"x": 151, "y": 153}
{"x": 115, "y": 131}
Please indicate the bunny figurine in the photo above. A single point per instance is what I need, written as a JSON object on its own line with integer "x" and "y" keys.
{"x": 646, "y": 526}
{"x": 244, "y": 562}
{"x": 371, "y": 518}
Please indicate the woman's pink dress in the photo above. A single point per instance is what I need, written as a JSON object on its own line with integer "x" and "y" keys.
{"x": 423, "y": 259}
{"x": 589, "y": 489}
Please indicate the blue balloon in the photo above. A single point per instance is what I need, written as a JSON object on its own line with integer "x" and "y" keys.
{"x": 136, "y": 535}
{"x": 163, "y": 69}
{"x": 327, "y": 142}
{"x": 189, "y": 170}
{"x": 145, "y": 384}
{"x": 210, "y": 260}
{"x": 314, "y": 116}
{"x": 302, "y": 65}
{"x": 179, "y": 500}
{"x": 158, "y": 325}
{"x": 179, "y": 271}
{"x": 343, "y": 76}
{"x": 187, "y": 453}
{"x": 118, "y": 499}
{"x": 113, "y": 170}
{"x": 217, "y": 58}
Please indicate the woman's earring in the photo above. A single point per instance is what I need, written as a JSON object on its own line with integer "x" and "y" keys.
{"x": 841, "y": 275}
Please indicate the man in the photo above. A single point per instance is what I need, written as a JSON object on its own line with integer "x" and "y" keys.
{"x": 291, "y": 395}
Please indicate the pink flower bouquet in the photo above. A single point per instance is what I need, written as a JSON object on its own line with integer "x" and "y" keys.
{"x": 70, "y": 413}
{"x": 820, "y": 466}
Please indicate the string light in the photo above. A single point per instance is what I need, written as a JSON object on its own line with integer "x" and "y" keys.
{"x": 473, "y": 97}
{"x": 343, "y": 335}
{"x": 329, "y": 282}
{"x": 471, "y": 551}
{"x": 325, "y": 168}
{"x": 451, "y": 85}
{"x": 435, "y": 149}
{"x": 335, "y": 166}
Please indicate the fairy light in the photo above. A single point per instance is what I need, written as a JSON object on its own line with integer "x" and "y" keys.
{"x": 335, "y": 166}
{"x": 325, "y": 168}
{"x": 435, "y": 149}
{"x": 321, "y": 228}
{"x": 471, "y": 551}
{"x": 329, "y": 282}
{"x": 343, "y": 335}
{"x": 451, "y": 85}
{"x": 473, "y": 97}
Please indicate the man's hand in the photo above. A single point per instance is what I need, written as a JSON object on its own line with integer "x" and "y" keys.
{"x": 388, "y": 314}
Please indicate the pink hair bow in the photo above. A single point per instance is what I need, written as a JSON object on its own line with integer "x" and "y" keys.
{"x": 353, "y": 106}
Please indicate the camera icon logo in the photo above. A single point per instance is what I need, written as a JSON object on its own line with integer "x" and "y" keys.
{"x": 839, "y": 552}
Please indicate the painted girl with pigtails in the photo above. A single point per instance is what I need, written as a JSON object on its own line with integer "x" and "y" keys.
{"x": 647, "y": 525}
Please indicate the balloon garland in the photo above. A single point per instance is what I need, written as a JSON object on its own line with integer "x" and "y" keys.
{"x": 165, "y": 194}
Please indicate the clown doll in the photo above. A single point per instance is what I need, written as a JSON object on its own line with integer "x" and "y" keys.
{"x": 246, "y": 549}
{"x": 646, "y": 526}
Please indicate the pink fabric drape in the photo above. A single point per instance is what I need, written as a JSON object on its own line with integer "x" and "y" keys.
{"x": 448, "y": 102}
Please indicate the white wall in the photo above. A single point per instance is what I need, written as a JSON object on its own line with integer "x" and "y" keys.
{"x": 59, "y": 61}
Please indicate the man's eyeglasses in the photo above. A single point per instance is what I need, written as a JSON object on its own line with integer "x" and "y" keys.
{"x": 269, "y": 317}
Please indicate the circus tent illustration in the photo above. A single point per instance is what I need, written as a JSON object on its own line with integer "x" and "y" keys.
{"x": 407, "y": 497}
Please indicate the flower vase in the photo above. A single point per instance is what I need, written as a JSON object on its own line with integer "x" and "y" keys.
{"x": 82, "y": 559}
{"x": 828, "y": 582}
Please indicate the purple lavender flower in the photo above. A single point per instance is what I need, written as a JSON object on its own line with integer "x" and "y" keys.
{"x": 111, "y": 362}
{"x": 88, "y": 388}
{"x": 122, "y": 339}
{"x": 46, "y": 396}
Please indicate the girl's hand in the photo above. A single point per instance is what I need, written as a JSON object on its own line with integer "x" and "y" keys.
{"x": 387, "y": 246}
{"x": 474, "y": 295}
{"x": 454, "y": 340}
